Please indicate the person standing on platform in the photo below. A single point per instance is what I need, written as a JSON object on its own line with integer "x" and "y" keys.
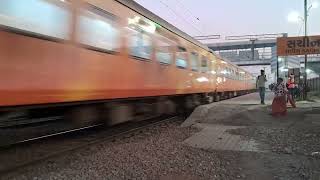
{"x": 279, "y": 103}
{"x": 291, "y": 88}
{"x": 261, "y": 85}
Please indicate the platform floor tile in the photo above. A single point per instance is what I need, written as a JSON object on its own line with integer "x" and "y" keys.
{"x": 217, "y": 137}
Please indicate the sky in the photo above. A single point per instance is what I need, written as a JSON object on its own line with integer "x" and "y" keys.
{"x": 236, "y": 17}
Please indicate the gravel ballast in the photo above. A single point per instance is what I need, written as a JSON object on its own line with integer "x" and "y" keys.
{"x": 154, "y": 153}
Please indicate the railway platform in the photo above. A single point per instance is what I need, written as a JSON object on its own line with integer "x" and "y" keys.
{"x": 267, "y": 147}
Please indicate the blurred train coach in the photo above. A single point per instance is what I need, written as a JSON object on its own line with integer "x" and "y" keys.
{"x": 108, "y": 60}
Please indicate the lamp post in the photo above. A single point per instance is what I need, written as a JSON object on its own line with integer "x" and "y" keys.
{"x": 294, "y": 17}
{"x": 305, "y": 56}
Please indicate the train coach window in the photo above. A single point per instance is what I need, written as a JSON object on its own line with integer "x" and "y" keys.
{"x": 97, "y": 28}
{"x": 163, "y": 52}
{"x": 237, "y": 76}
{"x": 181, "y": 57}
{"x": 226, "y": 72}
{"x": 230, "y": 73}
{"x": 204, "y": 64}
{"x": 194, "y": 61}
{"x": 49, "y": 18}
{"x": 140, "y": 44}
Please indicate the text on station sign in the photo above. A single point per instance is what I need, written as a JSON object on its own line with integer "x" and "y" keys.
{"x": 289, "y": 46}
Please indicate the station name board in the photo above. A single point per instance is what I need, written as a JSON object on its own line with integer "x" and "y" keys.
{"x": 290, "y": 46}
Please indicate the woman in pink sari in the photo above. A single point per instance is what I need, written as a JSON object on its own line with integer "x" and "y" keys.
{"x": 279, "y": 104}
{"x": 291, "y": 88}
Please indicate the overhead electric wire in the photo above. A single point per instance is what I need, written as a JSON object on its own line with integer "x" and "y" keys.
{"x": 300, "y": 29}
{"x": 178, "y": 15}
{"x": 187, "y": 10}
{"x": 191, "y": 14}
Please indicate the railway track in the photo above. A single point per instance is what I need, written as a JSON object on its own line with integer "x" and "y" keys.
{"x": 5, "y": 124}
{"x": 23, "y": 154}
{"x": 54, "y": 134}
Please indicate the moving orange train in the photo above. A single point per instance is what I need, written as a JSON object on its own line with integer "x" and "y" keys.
{"x": 106, "y": 57}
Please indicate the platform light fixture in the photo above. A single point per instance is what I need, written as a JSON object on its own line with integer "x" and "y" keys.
{"x": 280, "y": 59}
{"x": 294, "y": 17}
{"x": 284, "y": 69}
{"x": 309, "y": 71}
{"x": 314, "y": 5}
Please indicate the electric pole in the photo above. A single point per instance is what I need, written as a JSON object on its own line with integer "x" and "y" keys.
{"x": 305, "y": 56}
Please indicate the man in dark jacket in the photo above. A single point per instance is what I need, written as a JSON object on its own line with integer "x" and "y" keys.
{"x": 261, "y": 85}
